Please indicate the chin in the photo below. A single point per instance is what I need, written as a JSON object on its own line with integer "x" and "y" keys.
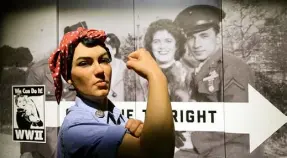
{"x": 163, "y": 61}
{"x": 200, "y": 58}
{"x": 102, "y": 93}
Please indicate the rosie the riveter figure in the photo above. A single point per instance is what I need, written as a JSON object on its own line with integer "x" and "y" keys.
{"x": 94, "y": 127}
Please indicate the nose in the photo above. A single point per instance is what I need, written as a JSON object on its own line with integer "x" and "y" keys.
{"x": 196, "y": 43}
{"x": 160, "y": 45}
{"x": 98, "y": 69}
{"x": 165, "y": 45}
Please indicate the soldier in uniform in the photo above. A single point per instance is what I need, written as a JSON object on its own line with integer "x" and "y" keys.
{"x": 218, "y": 77}
{"x": 40, "y": 74}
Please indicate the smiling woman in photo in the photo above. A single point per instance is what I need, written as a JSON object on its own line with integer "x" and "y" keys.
{"x": 165, "y": 41}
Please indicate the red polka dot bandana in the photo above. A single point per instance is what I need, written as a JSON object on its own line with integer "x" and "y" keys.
{"x": 58, "y": 59}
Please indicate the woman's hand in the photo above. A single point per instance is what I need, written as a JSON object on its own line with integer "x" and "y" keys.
{"x": 143, "y": 64}
{"x": 135, "y": 127}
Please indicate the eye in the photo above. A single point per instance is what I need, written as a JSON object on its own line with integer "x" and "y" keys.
{"x": 169, "y": 40}
{"x": 105, "y": 60}
{"x": 204, "y": 35}
{"x": 82, "y": 63}
{"x": 155, "y": 41}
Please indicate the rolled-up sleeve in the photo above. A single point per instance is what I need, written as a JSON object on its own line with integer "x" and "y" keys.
{"x": 92, "y": 140}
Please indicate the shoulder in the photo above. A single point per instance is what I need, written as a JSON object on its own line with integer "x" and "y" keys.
{"x": 233, "y": 61}
{"x": 43, "y": 62}
{"x": 237, "y": 71}
{"x": 37, "y": 72}
{"x": 235, "y": 65}
{"x": 76, "y": 115}
{"x": 40, "y": 65}
{"x": 75, "y": 124}
{"x": 81, "y": 130}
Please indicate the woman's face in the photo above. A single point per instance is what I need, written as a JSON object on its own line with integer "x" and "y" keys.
{"x": 163, "y": 46}
{"x": 91, "y": 71}
{"x": 21, "y": 102}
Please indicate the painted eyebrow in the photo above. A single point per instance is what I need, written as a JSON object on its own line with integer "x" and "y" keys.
{"x": 85, "y": 58}
{"x": 106, "y": 53}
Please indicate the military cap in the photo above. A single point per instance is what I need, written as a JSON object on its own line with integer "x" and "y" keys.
{"x": 75, "y": 26}
{"x": 198, "y": 18}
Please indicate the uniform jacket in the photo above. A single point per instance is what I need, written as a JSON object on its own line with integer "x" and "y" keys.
{"x": 231, "y": 83}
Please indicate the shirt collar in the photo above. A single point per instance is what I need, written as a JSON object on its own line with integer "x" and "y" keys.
{"x": 92, "y": 108}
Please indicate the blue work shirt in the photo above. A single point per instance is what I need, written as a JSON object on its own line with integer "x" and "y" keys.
{"x": 85, "y": 133}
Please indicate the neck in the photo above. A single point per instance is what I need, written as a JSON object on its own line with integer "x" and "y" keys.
{"x": 167, "y": 64}
{"x": 95, "y": 102}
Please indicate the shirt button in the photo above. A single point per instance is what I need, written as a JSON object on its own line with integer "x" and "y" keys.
{"x": 65, "y": 90}
{"x": 100, "y": 113}
{"x": 114, "y": 94}
{"x": 48, "y": 92}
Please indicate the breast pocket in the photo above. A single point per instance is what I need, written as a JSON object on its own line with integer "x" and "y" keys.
{"x": 210, "y": 89}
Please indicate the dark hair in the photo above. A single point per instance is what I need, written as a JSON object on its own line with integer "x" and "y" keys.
{"x": 88, "y": 42}
{"x": 17, "y": 97}
{"x": 114, "y": 41}
{"x": 215, "y": 27}
{"x": 169, "y": 26}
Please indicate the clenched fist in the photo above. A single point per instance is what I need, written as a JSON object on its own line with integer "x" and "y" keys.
{"x": 135, "y": 127}
{"x": 143, "y": 64}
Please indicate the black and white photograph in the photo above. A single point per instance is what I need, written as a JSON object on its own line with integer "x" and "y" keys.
{"x": 29, "y": 113}
{"x": 209, "y": 50}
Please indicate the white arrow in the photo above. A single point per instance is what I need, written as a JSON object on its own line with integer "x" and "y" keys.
{"x": 258, "y": 117}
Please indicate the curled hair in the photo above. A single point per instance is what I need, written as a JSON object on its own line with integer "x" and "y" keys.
{"x": 170, "y": 27}
{"x": 88, "y": 42}
{"x": 17, "y": 97}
